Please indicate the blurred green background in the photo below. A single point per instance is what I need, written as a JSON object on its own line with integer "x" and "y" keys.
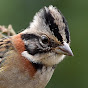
{"x": 72, "y": 72}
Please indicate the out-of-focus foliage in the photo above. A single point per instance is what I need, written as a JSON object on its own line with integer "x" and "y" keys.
{"x": 72, "y": 72}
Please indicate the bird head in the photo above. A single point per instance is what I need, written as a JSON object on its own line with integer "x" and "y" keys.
{"x": 47, "y": 39}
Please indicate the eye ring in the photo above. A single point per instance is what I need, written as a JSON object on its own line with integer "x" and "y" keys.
{"x": 44, "y": 39}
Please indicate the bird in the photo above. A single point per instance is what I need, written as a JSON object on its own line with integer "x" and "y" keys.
{"x": 28, "y": 59}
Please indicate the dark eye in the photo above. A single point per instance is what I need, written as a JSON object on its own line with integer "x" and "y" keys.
{"x": 44, "y": 39}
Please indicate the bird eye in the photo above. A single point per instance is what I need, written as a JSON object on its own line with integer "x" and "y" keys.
{"x": 44, "y": 39}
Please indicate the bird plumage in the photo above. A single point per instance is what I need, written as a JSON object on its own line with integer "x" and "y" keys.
{"x": 28, "y": 59}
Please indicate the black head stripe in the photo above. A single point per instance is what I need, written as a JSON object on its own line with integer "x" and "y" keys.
{"x": 66, "y": 29}
{"x": 28, "y": 36}
{"x": 49, "y": 20}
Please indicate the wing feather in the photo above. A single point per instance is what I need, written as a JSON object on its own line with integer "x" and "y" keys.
{"x": 5, "y": 47}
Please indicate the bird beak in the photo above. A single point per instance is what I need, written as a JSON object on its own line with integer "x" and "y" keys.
{"x": 65, "y": 49}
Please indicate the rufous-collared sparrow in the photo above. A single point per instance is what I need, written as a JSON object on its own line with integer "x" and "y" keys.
{"x": 28, "y": 59}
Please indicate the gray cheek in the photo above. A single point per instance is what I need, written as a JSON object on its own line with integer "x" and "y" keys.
{"x": 34, "y": 47}
{"x": 31, "y": 48}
